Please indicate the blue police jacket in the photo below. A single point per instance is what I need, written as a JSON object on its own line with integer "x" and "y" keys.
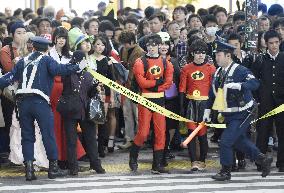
{"x": 235, "y": 100}
{"x": 35, "y": 74}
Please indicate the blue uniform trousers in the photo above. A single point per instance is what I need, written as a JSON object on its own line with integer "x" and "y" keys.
{"x": 235, "y": 137}
{"x": 33, "y": 108}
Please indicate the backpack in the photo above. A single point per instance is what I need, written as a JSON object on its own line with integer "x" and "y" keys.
{"x": 12, "y": 55}
{"x": 134, "y": 87}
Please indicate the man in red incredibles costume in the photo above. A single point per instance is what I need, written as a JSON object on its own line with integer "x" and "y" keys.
{"x": 153, "y": 75}
{"x": 195, "y": 82}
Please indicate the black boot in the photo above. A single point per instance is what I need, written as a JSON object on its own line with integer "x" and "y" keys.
{"x": 54, "y": 171}
{"x": 30, "y": 171}
{"x": 242, "y": 164}
{"x": 164, "y": 162}
{"x": 133, "y": 155}
{"x": 73, "y": 169}
{"x": 265, "y": 163}
{"x": 157, "y": 167}
{"x": 98, "y": 167}
{"x": 224, "y": 174}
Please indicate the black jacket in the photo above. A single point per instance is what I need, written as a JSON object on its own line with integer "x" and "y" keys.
{"x": 87, "y": 89}
{"x": 270, "y": 72}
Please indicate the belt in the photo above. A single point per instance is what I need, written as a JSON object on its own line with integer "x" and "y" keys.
{"x": 197, "y": 97}
{"x": 21, "y": 96}
{"x": 153, "y": 95}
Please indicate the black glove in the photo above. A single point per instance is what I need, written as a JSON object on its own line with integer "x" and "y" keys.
{"x": 181, "y": 104}
{"x": 158, "y": 83}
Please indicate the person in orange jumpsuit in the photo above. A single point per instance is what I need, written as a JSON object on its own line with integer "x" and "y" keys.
{"x": 152, "y": 83}
{"x": 195, "y": 81}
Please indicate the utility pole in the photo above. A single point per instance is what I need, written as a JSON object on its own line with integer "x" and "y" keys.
{"x": 251, "y": 29}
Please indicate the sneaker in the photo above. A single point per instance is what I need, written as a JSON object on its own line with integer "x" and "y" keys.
{"x": 201, "y": 166}
{"x": 126, "y": 145}
{"x": 194, "y": 166}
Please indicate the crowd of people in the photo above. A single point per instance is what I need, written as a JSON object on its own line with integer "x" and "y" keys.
{"x": 183, "y": 61}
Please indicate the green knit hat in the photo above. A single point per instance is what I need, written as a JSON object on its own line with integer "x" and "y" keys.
{"x": 76, "y": 37}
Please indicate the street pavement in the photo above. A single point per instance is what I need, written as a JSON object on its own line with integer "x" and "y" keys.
{"x": 119, "y": 178}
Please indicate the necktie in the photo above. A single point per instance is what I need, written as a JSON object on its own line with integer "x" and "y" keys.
{"x": 221, "y": 78}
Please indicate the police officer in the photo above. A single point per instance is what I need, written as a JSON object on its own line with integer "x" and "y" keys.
{"x": 35, "y": 75}
{"x": 231, "y": 95}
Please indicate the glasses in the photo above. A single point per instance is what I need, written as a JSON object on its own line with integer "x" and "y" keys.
{"x": 200, "y": 52}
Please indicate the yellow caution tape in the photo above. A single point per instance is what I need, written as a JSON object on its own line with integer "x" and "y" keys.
{"x": 154, "y": 107}
{"x": 143, "y": 101}
{"x": 271, "y": 113}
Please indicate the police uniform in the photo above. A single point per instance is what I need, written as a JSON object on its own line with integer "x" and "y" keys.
{"x": 237, "y": 83}
{"x": 35, "y": 74}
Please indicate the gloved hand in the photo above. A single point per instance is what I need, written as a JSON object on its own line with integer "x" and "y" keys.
{"x": 77, "y": 57}
{"x": 181, "y": 104}
{"x": 82, "y": 65}
{"x": 207, "y": 115}
{"x": 158, "y": 83}
{"x": 234, "y": 85}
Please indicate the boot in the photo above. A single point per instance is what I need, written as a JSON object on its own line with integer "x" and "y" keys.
{"x": 157, "y": 167}
{"x": 98, "y": 167}
{"x": 133, "y": 155}
{"x": 242, "y": 164}
{"x": 101, "y": 149}
{"x": 265, "y": 163}
{"x": 54, "y": 171}
{"x": 73, "y": 169}
{"x": 224, "y": 174}
{"x": 164, "y": 162}
{"x": 30, "y": 171}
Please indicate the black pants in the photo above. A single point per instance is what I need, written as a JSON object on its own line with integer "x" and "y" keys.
{"x": 171, "y": 105}
{"x": 264, "y": 129}
{"x": 7, "y": 109}
{"x": 89, "y": 134}
{"x": 203, "y": 143}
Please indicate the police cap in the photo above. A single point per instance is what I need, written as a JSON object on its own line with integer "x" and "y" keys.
{"x": 222, "y": 46}
{"x": 40, "y": 43}
{"x": 40, "y": 40}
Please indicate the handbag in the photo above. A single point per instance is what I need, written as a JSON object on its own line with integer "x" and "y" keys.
{"x": 171, "y": 92}
{"x": 10, "y": 91}
{"x": 96, "y": 112}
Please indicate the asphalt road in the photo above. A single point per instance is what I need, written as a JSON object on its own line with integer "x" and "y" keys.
{"x": 119, "y": 179}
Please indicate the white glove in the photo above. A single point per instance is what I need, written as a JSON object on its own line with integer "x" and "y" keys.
{"x": 206, "y": 115}
{"x": 234, "y": 85}
{"x": 82, "y": 65}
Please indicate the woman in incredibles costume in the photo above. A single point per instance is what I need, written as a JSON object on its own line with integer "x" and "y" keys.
{"x": 171, "y": 94}
{"x": 195, "y": 81}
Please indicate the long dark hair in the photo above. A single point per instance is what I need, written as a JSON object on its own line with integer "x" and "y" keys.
{"x": 62, "y": 32}
{"x": 105, "y": 41}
